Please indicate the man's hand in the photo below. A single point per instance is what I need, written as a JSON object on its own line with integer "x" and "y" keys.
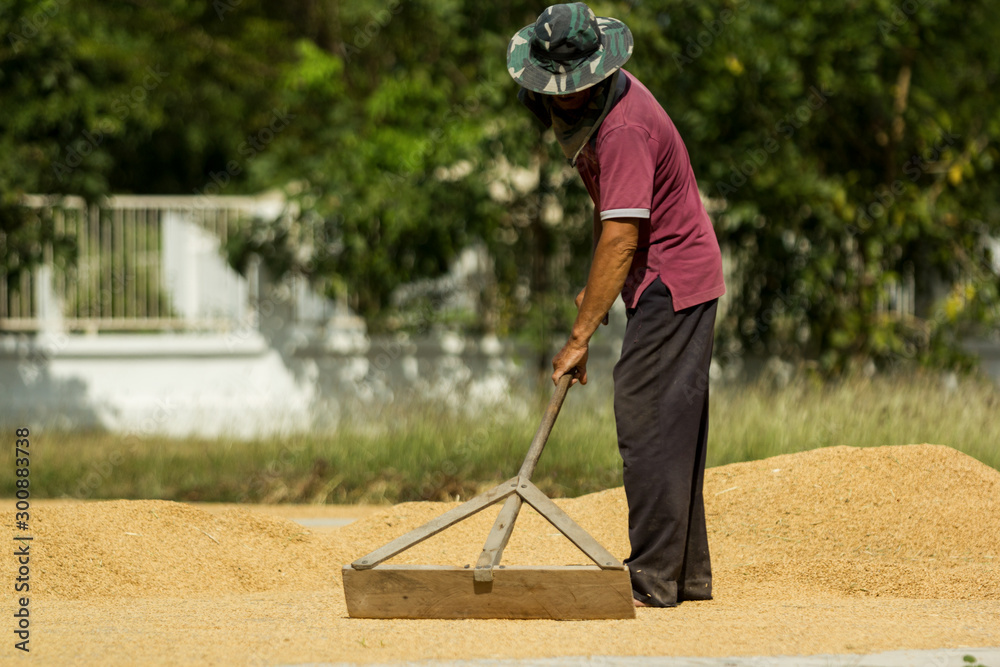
{"x": 612, "y": 259}
{"x": 573, "y": 355}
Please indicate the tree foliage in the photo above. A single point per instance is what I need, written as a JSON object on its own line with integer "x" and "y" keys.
{"x": 854, "y": 148}
{"x": 846, "y": 149}
{"x": 146, "y": 97}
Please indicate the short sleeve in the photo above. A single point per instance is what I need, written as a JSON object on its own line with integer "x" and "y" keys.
{"x": 627, "y": 167}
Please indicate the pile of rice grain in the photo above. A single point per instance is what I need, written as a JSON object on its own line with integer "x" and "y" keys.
{"x": 918, "y": 521}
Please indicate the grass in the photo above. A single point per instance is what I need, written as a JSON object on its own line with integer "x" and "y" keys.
{"x": 429, "y": 453}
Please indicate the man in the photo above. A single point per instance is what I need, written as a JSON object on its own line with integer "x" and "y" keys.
{"x": 654, "y": 244}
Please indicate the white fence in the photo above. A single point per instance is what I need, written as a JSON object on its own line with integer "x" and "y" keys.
{"x": 143, "y": 263}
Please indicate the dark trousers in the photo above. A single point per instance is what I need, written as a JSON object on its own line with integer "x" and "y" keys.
{"x": 661, "y": 411}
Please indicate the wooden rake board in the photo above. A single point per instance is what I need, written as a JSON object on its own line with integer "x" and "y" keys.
{"x": 491, "y": 590}
{"x": 581, "y": 592}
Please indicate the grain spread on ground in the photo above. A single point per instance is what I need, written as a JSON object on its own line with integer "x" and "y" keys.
{"x": 834, "y": 550}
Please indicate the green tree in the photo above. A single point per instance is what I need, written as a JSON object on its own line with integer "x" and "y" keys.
{"x": 408, "y": 140}
{"x": 848, "y": 150}
{"x": 845, "y": 149}
{"x": 132, "y": 97}
{"x": 853, "y": 146}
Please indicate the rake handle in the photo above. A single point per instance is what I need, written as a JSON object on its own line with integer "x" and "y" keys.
{"x": 545, "y": 428}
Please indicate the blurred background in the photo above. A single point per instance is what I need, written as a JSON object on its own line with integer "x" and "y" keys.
{"x": 315, "y": 228}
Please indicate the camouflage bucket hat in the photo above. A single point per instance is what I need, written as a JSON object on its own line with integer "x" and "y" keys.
{"x": 568, "y": 49}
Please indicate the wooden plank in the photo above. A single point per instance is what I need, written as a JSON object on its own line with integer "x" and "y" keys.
{"x": 436, "y": 525}
{"x": 580, "y": 592}
{"x": 571, "y": 529}
{"x": 497, "y": 539}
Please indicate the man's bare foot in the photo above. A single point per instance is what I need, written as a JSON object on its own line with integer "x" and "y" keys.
{"x": 639, "y": 603}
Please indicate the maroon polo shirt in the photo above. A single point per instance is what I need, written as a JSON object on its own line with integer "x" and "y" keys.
{"x": 638, "y": 167}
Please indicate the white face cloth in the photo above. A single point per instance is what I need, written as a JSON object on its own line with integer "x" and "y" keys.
{"x": 574, "y": 128}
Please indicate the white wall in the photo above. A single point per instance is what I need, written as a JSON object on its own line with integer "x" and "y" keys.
{"x": 193, "y": 384}
{"x": 238, "y": 385}
{"x": 200, "y": 283}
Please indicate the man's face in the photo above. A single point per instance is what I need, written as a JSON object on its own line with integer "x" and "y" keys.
{"x": 572, "y": 101}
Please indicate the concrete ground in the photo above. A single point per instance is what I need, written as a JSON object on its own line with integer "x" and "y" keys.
{"x": 982, "y": 657}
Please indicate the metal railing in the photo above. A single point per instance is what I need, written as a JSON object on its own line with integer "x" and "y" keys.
{"x": 897, "y": 298}
{"x": 136, "y": 263}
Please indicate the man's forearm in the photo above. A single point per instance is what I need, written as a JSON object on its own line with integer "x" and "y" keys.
{"x": 598, "y": 227}
{"x": 608, "y": 271}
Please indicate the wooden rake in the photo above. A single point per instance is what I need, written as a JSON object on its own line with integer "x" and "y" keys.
{"x": 491, "y": 590}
